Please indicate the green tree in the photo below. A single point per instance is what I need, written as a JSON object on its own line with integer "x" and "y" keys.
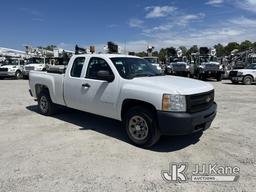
{"x": 230, "y": 47}
{"x": 48, "y": 47}
{"x": 254, "y": 45}
{"x": 170, "y": 51}
{"x": 193, "y": 49}
{"x": 245, "y": 45}
{"x": 141, "y": 54}
{"x": 162, "y": 55}
{"x": 155, "y": 54}
{"x": 219, "y": 50}
{"x": 183, "y": 49}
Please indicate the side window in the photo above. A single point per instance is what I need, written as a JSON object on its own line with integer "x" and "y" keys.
{"x": 95, "y": 65}
{"x": 77, "y": 67}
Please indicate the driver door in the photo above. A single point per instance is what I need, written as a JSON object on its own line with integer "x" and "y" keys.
{"x": 101, "y": 95}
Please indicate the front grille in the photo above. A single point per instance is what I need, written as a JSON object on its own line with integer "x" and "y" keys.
{"x": 212, "y": 67}
{"x": 200, "y": 102}
{"x": 232, "y": 73}
{"x": 28, "y": 68}
{"x": 179, "y": 67}
{"x": 4, "y": 69}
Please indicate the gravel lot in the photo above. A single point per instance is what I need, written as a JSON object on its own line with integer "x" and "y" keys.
{"x": 75, "y": 151}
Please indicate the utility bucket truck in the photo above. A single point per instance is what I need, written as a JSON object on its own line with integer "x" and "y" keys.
{"x": 178, "y": 64}
{"x": 206, "y": 64}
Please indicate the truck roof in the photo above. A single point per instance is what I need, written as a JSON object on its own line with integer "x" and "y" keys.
{"x": 108, "y": 55}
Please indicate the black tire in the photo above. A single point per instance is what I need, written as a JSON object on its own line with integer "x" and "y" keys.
{"x": 234, "y": 82}
{"x": 18, "y": 75}
{"x": 247, "y": 80}
{"x": 45, "y": 104}
{"x": 148, "y": 117}
{"x": 219, "y": 77}
{"x": 202, "y": 77}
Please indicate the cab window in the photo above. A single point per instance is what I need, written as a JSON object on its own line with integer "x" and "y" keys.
{"x": 95, "y": 65}
{"x": 77, "y": 67}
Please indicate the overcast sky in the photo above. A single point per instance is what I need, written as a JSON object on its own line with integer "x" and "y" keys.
{"x": 132, "y": 24}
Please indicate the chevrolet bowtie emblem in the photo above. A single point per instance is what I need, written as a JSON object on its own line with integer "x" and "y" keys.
{"x": 208, "y": 99}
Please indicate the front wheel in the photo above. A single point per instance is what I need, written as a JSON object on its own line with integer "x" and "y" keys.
{"x": 141, "y": 127}
{"x": 45, "y": 104}
{"x": 248, "y": 80}
{"x": 234, "y": 82}
{"x": 219, "y": 77}
{"x": 18, "y": 75}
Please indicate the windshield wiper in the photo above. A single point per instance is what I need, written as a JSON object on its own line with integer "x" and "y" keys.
{"x": 146, "y": 75}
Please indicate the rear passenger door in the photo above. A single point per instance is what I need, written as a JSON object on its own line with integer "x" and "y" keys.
{"x": 74, "y": 92}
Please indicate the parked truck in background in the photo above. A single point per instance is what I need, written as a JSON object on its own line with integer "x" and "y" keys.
{"x": 247, "y": 76}
{"x": 129, "y": 89}
{"x": 206, "y": 64}
{"x": 155, "y": 62}
{"x": 178, "y": 64}
{"x": 12, "y": 67}
{"x": 35, "y": 64}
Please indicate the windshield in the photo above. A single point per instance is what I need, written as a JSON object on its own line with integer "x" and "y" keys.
{"x": 35, "y": 61}
{"x": 176, "y": 59}
{"x": 205, "y": 59}
{"x": 11, "y": 62}
{"x": 213, "y": 58}
{"x": 251, "y": 66}
{"x": 151, "y": 60}
{"x": 130, "y": 68}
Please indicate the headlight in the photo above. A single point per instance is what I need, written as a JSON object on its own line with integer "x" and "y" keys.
{"x": 175, "y": 103}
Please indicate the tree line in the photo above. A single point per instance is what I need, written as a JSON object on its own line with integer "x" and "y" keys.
{"x": 221, "y": 50}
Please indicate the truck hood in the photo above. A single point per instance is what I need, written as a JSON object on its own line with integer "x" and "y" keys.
{"x": 211, "y": 62}
{"x": 9, "y": 66}
{"x": 35, "y": 65}
{"x": 173, "y": 84}
{"x": 245, "y": 70}
{"x": 179, "y": 63}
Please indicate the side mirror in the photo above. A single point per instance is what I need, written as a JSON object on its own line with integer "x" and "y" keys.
{"x": 105, "y": 76}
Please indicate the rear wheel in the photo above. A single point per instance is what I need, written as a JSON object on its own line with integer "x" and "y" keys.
{"x": 141, "y": 127}
{"x": 18, "y": 75}
{"x": 247, "y": 80}
{"x": 45, "y": 104}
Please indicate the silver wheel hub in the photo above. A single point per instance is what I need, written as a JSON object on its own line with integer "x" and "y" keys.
{"x": 44, "y": 104}
{"x": 138, "y": 128}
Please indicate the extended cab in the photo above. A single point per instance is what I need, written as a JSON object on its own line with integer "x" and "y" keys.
{"x": 247, "y": 76}
{"x": 131, "y": 90}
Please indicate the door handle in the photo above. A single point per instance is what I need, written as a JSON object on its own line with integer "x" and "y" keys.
{"x": 86, "y": 85}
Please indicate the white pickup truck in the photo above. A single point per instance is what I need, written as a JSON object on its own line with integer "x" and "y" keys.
{"x": 247, "y": 76}
{"x": 128, "y": 89}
